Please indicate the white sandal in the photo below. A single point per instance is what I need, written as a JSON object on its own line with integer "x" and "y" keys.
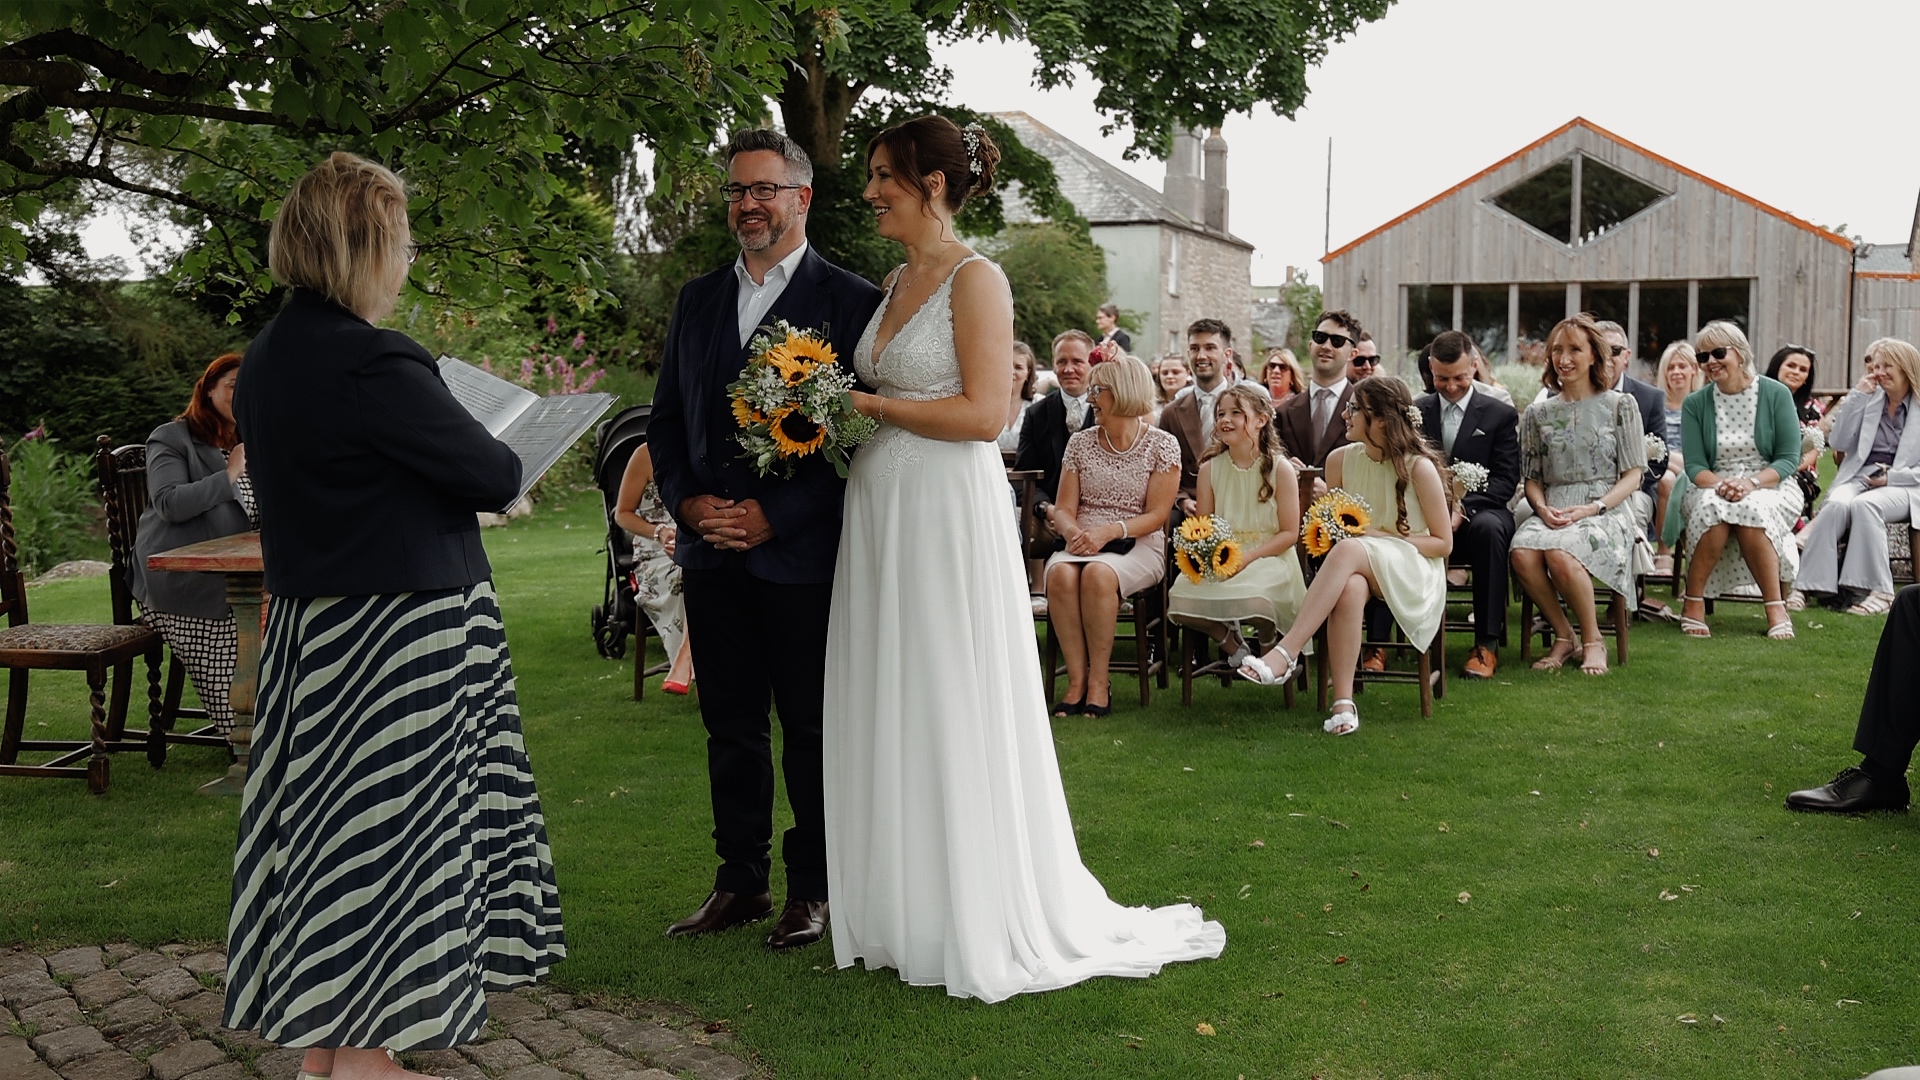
{"x": 1694, "y": 627}
{"x": 1342, "y": 723}
{"x": 1256, "y": 669}
{"x": 1878, "y": 603}
{"x": 1780, "y": 631}
{"x": 1796, "y": 601}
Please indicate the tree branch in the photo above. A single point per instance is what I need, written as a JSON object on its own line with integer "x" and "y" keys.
{"x": 108, "y": 61}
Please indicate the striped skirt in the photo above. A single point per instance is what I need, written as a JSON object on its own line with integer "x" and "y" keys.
{"x": 393, "y": 864}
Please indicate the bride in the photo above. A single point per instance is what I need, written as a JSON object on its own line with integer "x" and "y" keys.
{"x": 950, "y": 855}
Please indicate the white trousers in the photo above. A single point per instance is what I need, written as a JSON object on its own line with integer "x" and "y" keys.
{"x": 1859, "y": 515}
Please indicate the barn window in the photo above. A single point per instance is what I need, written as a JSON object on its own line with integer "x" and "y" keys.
{"x": 1578, "y": 189}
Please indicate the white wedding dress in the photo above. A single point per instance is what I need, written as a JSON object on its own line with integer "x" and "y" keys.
{"x": 950, "y": 855}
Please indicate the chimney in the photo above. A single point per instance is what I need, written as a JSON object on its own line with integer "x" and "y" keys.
{"x": 1215, "y": 184}
{"x": 1182, "y": 188}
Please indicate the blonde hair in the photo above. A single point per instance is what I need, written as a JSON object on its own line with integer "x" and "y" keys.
{"x": 1721, "y": 334}
{"x": 340, "y": 232}
{"x": 1902, "y": 355}
{"x": 1683, "y": 351}
{"x": 1285, "y": 357}
{"x": 1128, "y": 383}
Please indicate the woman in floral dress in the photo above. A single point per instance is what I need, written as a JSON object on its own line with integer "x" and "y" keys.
{"x": 656, "y": 578}
{"x": 1581, "y": 454}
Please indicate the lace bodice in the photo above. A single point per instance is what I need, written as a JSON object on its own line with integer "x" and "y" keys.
{"x": 920, "y": 363}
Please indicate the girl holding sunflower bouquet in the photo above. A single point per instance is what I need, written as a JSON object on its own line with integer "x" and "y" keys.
{"x": 1389, "y": 465}
{"x": 1247, "y": 481}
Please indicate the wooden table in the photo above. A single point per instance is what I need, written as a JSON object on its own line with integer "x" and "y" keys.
{"x": 237, "y": 557}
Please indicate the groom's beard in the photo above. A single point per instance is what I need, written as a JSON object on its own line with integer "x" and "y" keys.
{"x": 761, "y": 234}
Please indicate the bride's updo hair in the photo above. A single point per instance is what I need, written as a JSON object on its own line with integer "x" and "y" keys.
{"x": 933, "y": 144}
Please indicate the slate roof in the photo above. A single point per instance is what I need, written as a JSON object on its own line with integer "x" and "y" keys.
{"x": 1103, "y": 193}
{"x": 1889, "y": 258}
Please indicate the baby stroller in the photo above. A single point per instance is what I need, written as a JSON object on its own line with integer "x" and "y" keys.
{"x": 619, "y": 613}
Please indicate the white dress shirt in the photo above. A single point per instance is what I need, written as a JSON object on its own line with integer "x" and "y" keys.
{"x": 1451, "y": 414}
{"x": 755, "y": 300}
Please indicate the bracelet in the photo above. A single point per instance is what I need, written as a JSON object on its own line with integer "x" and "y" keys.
{"x": 1123, "y": 529}
{"x": 882, "y": 417}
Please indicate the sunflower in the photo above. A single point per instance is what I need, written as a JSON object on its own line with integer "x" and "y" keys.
{"x": 795, "y": 435}
{"x": 1226, "y": 560}
{"x": 1197, "y": 529}
{"x": 1313, "y": 533}
{"x": 804, "y": 346}
{"x": 1187, "y": 566}
{"x": 746, "y": 415}
{"x": 793, "y": 370}
{"x": 1350, "y": 514}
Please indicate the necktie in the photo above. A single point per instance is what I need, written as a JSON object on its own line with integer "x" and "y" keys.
{"x": 1322, "y": 411}
{"x": 1450, "y": 425}
{"x": 1076, "y": 413}
{"x": 1205, "y": 402}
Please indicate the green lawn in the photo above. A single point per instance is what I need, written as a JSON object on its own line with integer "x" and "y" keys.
{"x": 1548, "y": 878}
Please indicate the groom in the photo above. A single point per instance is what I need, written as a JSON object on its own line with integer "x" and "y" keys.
{"x": 758, "y": 579}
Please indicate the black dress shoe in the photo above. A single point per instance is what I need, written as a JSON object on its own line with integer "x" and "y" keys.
{"x": 722, "y": 910}
{"x": 802, "y": 923}
{"x": 1852, "y": 792}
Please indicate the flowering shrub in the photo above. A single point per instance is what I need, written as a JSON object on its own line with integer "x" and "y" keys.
{"x": 555, "y": 372}
{"x": 56, "y": 515}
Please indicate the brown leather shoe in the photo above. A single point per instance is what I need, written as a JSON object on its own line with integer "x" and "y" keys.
{"x": 1373, "y": 659}
{"x": 722, "y": 910}
{"x": 802, "y": 923}
{"x": 1481, "y": 663}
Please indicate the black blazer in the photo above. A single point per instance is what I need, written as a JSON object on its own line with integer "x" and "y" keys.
{"x": 367, "y": 473}
{"x": 1043, "y": 441}
{"x": 1489, "y": 435}
{"x": 691, "y": 434}
{"x": 189, "y": 499}
{"x": 1653, "y": 421}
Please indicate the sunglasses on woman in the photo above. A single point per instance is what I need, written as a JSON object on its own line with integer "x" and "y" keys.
{"x": 1711, "y": 354}
{"x": 1339, "y": 341}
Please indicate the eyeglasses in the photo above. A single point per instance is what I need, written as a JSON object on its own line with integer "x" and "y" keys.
{"x": 1095, "y": 391}
{"x": 1802, "y": 349}
{"x": 413, "y": 253}
{"x": 1616, "y": 350}
{"x": 1711, "y": 354}
{"x": 1321, "y": 337}
{"x": 761, "y": 192}
{"x": 1365, "y": 361}
{"x": 1353, "y": 409}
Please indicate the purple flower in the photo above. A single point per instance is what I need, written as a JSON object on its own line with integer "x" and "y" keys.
{"x": 579, "y": 340}
{"x": 591, "y": 379}
{"x": 526, "y": 370}
{"x": 552, "y": 327}
{"x": 39, "y": 432}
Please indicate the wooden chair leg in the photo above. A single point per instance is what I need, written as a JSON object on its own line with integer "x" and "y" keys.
{"x": 1051, "y": 662}
{"x": 1426, "y": 684}
{"x": 1185, "y": 636}
{"x": 120, "y": 694}
{"x": 98, "y": 765}
{"x": 1439, "y": 677}
{"x": 1526, "y": 627}
{"x": 162, "y": 726}
{"x": 16, "y": 716}
{"x": 1320, "y": 665}
{"x": 1621, "y": 618}
{"x": 1142, "y": 651}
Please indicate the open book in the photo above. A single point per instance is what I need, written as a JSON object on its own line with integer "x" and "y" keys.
{"x": 539, "y": 429}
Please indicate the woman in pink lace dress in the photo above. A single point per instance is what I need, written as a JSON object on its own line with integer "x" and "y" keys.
{"x": 1118, "y": 480}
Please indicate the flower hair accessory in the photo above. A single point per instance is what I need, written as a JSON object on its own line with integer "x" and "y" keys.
{"x": 971, "y": 134}
{"x": 1413, "y": 415}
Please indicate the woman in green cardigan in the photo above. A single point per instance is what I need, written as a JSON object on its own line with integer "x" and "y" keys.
{"x": 1741, "y": 438}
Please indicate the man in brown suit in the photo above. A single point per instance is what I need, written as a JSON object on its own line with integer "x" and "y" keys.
{"x": 1189, "y": 417}
{"x": 1312, "y": 424}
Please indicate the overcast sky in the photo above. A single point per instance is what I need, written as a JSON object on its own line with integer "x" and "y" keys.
{"x": 1808, "y": 107}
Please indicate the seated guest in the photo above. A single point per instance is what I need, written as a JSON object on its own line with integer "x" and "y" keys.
{"x": 1312, "y": 424}
{"x": 1247, "y": 482}
{"x": 1742, "y": 442}
{"x": 1399, "y": 559}
{"x": 1875, "y": 484}
{"x": 1117, "y": 483}
{"x": 1678, "y": 376}
{"x": 197, "y": 489}
{"x": 1582, "y": 453}
{"x": 1365, "y": 362}
{"x": 1792, "y": 367}
{"x": 656, "y": 577}
{"x": 1282, "y": 376}
{"x": 1050, "y": 421}
{"x": 1652, "y": 404}
{"x": 1022, "y": 396}
{"x": 1889, "y": 725}
{"x": 1466, "y": 424}
{"x": 1172, "y": 376}
{"x": 1107, "y": 321}
{"x": 1189, "y": 417}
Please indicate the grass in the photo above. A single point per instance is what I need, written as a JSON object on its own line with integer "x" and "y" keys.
{"x": 1546, "y": 879}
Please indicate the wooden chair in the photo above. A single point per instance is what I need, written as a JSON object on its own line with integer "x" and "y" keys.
{"x": 1146, "y": 613}
{"x": 1035, "y": 541}
{"x": 1459, "y": 597}
{"x": 1194, "y": 646}
{"x": 122, "y": 473}
{"x": 1429, "y": 670}
{"x": 26, "y": 647}
{"x": 1614, "y": 624}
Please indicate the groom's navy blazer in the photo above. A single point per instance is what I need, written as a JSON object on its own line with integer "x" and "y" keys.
{"x": 691, "y": 433}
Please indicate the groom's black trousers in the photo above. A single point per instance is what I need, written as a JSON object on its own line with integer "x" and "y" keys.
{"x": 758, "y": 644}
{"x": 1890, "y": 714}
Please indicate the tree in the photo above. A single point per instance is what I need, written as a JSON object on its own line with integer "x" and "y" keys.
{"x": 213, "y": 108}
{"x": 1162, "y": 65}
{"x": 1058, "y": 276}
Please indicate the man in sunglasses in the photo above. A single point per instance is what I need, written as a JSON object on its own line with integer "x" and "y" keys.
{"x": 1311, "y": 425}
{"x": 1365, "y": 363}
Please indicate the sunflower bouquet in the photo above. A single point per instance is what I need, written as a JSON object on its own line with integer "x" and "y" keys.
{"x": 1468, "y": 476}
{"x": 1204, "y": 549}
{"x": 1338, "y": 515}
{"x": 794, "y": 400}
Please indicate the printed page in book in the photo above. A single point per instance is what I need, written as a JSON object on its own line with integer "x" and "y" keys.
{"x": 538, "y": 429}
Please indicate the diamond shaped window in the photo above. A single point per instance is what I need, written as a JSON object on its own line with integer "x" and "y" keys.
{"x": 1607, "y": 197}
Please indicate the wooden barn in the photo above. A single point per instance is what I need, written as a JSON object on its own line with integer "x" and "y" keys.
{"x": 1583, "y": 220}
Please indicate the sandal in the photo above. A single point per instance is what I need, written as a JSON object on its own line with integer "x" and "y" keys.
{"x": 1256, "y": 669}
{"x": 1555, "y": 659}
{"x": 1691, "y": 626}
{"x": 1782, "y": 630}
{"x": 1236, "y": 649}
{"x": 1342, "y": 722}
{"x": 1588, "y": 667}
{"x": 1877, "y": 603}
{"x": 1071, "y": 708}
{"x": 1796, "y": 601}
